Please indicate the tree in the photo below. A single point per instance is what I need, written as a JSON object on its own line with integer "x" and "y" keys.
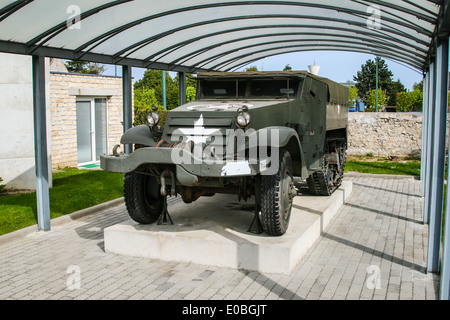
{"x": 352, "y": 95}
{"x": 392, "y": 92}
{"x": 418, "y": 86}
{"x": 152, "y": 79}
{"x": 148, "y": 92}
{"x": 190, "y": 94}
{"x": 371, "y": 98}
{"x": 144, "y": 100}
{"x": 287, "y": 68}
{"x": 366, "y": 78}
{"x": 409, "y": 101}
{"x": 251, "y": 69}
{"x": 84, "y": 67}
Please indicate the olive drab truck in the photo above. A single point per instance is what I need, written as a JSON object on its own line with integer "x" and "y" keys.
{"x": 248, "y": 134}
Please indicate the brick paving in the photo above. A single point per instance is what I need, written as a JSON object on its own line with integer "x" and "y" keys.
{"x": 374, "y": 249}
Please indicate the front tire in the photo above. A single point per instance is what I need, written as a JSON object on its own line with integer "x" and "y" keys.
{"x": 276, "y": 193}
{"x": 142, "y": 199}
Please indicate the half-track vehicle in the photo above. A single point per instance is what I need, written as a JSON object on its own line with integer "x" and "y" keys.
{"x": 247, "y": 133}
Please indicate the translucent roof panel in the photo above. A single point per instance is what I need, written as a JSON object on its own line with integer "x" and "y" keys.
{"x": 208, "y": 35}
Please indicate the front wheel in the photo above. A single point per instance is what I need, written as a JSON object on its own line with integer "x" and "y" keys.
{"x": 276, "y": 194}
{"x": 142, "y": 198}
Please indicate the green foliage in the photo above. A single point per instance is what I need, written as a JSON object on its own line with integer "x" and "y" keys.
{"x": 366, "y": 78}
{"x": 162, "y": 117}
{"x": 2, "y": 186}
{"x": 371, "y": 98}
{"x": 190, "y": 94}
{"x": 352, "y": 95}
{"x": 410, "y": 101}
{"x": 251, "y": 69}
{"x": 287, "y": 68}
{"x": 144, "y": 100}
{"x": 84, "y": 67}
{"x": 148, "y": 93}
{"x": 152, "y": 79}
{"x": 392, "y": 92}
{"x": 418, "y": 86}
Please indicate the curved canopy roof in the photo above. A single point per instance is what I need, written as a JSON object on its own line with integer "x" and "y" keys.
{"x": 217, "y": 35}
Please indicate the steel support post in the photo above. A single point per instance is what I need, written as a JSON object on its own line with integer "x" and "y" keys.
{"x": 438, "y": 156}
{"x": 181, "y": 88}
{"x": 429, "y": 143}
{"x": 127, "y": 102}
{"x": 424, "y": 155}
{"x": 40, "y": 143}
{"x": 445, "y": 268}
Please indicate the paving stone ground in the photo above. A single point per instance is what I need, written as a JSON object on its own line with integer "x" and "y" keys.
{"x": 374, "y": 249}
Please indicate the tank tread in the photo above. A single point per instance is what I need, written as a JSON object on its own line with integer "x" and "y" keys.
{"x": 318, "y": 182}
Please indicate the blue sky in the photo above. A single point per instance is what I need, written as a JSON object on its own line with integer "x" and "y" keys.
{"x": 336, "y": 65}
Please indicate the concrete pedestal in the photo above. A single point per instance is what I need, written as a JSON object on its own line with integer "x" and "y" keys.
{"x": 214, "y": 231}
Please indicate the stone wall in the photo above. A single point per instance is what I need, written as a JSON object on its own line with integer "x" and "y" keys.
{"x": 64, "y": 90}
{"x": 385, "y": 134}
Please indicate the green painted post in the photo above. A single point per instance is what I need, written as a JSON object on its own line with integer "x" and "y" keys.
{"x": 164, "y": 92}
{"x": 376, "y": 85}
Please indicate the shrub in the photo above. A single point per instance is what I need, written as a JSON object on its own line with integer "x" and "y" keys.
{"x": 2, "y": 186}
{"x": 382, "y": 98}
{"x": 409, "y": 101}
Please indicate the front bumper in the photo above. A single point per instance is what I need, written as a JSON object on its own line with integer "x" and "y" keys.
{"x": 187, "y": 164}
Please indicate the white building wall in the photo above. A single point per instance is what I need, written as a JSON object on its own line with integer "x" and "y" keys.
{"x": 17, "y": 164}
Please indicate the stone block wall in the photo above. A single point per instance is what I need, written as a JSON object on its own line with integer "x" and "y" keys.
{"x": 385, "y": 134}
{"x": 64, "y": 90}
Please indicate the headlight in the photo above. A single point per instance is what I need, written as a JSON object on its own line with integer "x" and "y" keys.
{"x": 153, "y": 116}
{"x": 243, "y": 117}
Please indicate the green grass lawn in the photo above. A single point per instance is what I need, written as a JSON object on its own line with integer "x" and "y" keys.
{"x": 72, "y": 190}
{"x": 384, "y": 166}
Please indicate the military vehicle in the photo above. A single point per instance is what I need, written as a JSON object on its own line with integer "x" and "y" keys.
{"x": 247, "y": 133}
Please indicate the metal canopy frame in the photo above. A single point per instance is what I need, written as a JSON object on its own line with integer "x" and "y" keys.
{"x": 136, "y": 32}
{"x": 224, "y": 35}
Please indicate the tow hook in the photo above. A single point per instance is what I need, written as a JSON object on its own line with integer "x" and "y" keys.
{"x": 115, "y": 153}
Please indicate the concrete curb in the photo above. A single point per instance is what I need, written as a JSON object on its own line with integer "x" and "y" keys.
{"x": 60, "y": 220}
{"x": 353, "y": 174}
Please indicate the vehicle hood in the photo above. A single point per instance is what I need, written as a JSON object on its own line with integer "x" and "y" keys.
{"x": 226, "y": 106}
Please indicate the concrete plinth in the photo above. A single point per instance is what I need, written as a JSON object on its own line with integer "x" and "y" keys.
{"x": 214, "y": 231}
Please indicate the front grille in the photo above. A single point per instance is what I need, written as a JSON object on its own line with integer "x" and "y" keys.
{"x": 210, "y": 132}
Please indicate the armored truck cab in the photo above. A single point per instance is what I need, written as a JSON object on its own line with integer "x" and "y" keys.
{"x": 247, "y": 134}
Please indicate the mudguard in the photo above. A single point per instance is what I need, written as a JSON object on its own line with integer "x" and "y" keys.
{"x": 282, "y": 137}
{"x": 139, "y": 135}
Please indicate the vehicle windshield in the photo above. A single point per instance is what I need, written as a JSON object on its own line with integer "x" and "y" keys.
{"x": 249, "y": 88}
{"x": 218, "y": 89}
